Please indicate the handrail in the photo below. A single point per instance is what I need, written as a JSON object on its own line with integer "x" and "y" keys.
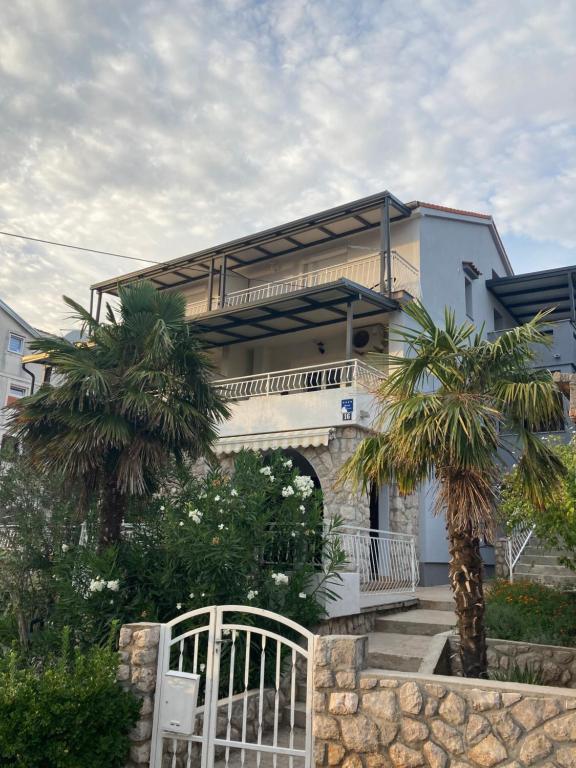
{"x": 344, "y": 373}
{"x": 516, "y": 544}
{"x": 385, "y": 560}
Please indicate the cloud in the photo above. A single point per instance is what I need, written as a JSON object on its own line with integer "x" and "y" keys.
{"x": 154, "y": 128}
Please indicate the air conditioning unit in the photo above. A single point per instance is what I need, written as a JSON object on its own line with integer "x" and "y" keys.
{"x": 370, "y": 338}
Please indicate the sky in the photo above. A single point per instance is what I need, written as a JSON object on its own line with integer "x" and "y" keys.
{"x": 154, "y": 128}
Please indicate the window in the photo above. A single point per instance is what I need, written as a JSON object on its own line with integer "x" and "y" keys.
{"x": 468, "y": 298}
{"x": 498, "y": 321}
{"x": 15, "y": 393}
{"x": 15, "y": 343}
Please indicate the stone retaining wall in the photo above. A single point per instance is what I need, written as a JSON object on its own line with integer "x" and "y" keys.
{"x": 373, "y": 719}
{"x": 501, "y": 567}
{"x": 556, "y": 664}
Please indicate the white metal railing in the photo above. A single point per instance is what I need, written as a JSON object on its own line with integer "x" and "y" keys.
{"x": 385, "y": 560}
{"x": 197, "y": 308}
{"x": 516, "y": 544}
{"x": 365, "y": 271}
{"x": 346, "y": 373}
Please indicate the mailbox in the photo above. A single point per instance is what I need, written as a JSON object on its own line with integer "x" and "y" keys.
{"x": 178, "y": 702}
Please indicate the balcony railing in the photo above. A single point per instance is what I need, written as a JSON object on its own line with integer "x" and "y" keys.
{"x": 385, "y": 560}
{"x": 365, "y": 271}
{"x": 347, "y": 373}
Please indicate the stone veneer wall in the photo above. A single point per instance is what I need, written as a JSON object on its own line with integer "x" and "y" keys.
{"x": 501, "y": 568}
{"x": 138, "y": 648}
{"x": 374, "y": 719}
{"x": 556, "y": 664}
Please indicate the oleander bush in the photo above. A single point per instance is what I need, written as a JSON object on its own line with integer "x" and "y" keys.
{"x": 254, "y": 537}
{"x": 529, "y": 612}
{"x": 70, "y": 712}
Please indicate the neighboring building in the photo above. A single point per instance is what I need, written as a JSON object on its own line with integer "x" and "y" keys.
{"x": 17, "y": 379}
{"x": 290, "y": 313}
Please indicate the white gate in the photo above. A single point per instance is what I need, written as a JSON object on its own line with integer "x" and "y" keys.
{"x": 234, "y": 689}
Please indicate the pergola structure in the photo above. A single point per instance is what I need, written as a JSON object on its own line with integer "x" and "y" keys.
{"x": 526, "y": 295}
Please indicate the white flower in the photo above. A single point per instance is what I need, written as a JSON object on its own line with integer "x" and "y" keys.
{"x": 195, "y": 515}
{"x": 97, "y": 585}
{"x": 162, "y": 508}
{"x": 252, "y": 594}
{"x": 302, "y": 508}
{"x": 287, "y": 463}
{"x": 181, "y": 523}
{"x": 293, "y": 533}
{"x": 65, "y": 547}
{"x": 203, "y": 594}
{"x": 164, "y": 399}
{"x": 178, "y": 606}
{"x": 221, "y": 527}
{"x": 302, "y": 595}
{"x": 266, "y": 471}
{"x": 191, "y": 595}
{"x": 216, "y": 498}
{"x": 202, "y": 667}
{"x": 304, "y": 485}
{"x": 233, "y": 492}
{"x": 271, "y": 478}
{"x": 287, "y": 491}
{"x": 279, "y": 578}
{"x": 114, "y": 585}
{"x": 111, "y": 602}
{"x": 226, "y": 632}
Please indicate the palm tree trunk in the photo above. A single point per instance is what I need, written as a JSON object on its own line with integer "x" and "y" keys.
{"x": 111, "y": 513}
{"x": 466, "y": 580}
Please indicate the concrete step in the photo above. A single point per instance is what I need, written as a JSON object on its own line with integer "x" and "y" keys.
{"x": 437, "y": 605}
{"x": 541, "y": 550}
{"x": 403, "y": 653}
{"x": 539, "y": 559}
{"x": 420, "y": 621}
{"x": 538, "y": 568}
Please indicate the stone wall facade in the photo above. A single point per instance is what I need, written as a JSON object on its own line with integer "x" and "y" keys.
{"x": 555, "y": 664}
{"x": 138, "y": 648}
{"x": 374, "y": 719}
{"x": 501, "y": 567}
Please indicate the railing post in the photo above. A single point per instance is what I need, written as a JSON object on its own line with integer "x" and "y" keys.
{"x": 267, "y": 384}
{"x": 510, "y": 562}
{"x": 413, "y": 563}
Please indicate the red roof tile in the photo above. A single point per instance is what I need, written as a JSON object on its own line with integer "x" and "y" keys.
{"x": 419, "y": 203}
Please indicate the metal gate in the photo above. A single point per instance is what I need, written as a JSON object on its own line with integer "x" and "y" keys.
{"x": 234, "y": 690}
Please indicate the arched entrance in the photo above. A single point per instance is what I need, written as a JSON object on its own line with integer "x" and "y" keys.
{"x": 301, "y": 463}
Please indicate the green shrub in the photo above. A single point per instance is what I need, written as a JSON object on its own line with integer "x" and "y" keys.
{"x": 528, "y": 612}
{"x": 69, "y": 714}
{"x": 517, "y": 674}
{"x": 556, "y": 525}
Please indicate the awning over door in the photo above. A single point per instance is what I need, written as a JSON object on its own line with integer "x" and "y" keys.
{"x": 268, "y": 441}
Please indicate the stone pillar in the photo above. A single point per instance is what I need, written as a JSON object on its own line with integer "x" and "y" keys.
{"x": 502, "y": 569}
{"x": 337, "y": 664}
{"x": 138, "y": 648}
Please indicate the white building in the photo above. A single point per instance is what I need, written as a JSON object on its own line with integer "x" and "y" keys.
{"x": 290, "y": 313}
{"x": 17, "y": 378}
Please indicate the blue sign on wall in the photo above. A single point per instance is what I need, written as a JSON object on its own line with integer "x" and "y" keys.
{"x": 347, "y": 408}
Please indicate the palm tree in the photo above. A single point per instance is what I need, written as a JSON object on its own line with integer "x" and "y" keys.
{"x": 136, "y": 393}
{"x": 447, "y": 412}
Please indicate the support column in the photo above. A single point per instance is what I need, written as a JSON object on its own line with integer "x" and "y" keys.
{"x": 572, "y": 300}
{"x": 91, "y": 302}
{"x": 223, "y": 270}
{"x": 98, "y": 306}
{"x": 138, "y": 649}
{"x": 385, "y": 249}
{"x": 349, "y": 329}
{"x": 210, "y": 284}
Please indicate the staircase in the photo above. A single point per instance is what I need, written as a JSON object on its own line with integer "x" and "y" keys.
{"x": 540, "y": 564}
{"x": 400, "y": 640}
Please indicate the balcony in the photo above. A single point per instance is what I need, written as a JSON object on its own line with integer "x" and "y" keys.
{"x": 561, "y": 354}
{"x": 298, "y": 406}
{"x": 364, "y": 271}
{"x": 347, "y": 373}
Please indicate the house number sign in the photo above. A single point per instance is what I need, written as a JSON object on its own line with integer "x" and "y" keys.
{"x": 347, "y": 408}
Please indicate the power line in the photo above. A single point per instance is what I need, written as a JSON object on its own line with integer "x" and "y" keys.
{"x": 78, "y": 248}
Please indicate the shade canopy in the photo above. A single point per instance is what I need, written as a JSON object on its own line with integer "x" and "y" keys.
{"x": 320, "y": 228}
{"x": 268, "y": 441}
{"x": 294, "y": 311}
{"x": 525, "y": 295}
